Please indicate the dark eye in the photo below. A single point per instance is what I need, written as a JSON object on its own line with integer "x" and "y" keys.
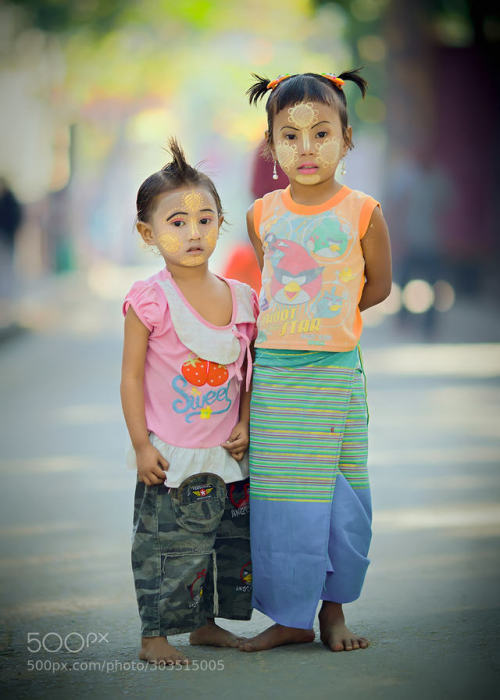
{"x": 205, "y": 220}
{"x": 322, "y": 134}
{"x": 289, "y": 137}
{"x": 178, "y": 223}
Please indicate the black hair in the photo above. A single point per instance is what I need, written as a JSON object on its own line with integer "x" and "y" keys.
{"x": 305, "y": 86}
{"x": 177, "y": 173}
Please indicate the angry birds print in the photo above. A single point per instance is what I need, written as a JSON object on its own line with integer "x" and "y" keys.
{"x": 246, "y": 573}
{"x": 297, "y": 276}
{"x": 332, "y": 303}
{"x": 329, "y": 239}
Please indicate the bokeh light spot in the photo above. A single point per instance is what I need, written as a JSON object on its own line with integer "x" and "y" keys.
{"x": 370, "y": 109}
{"x": 418, "y": 296}
{"x": 372, "y": 48}
{"x": 367, "y": 10}
{"x": 444, "y": 295}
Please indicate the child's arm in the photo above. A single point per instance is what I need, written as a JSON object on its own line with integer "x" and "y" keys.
{"x": 149, "y": 460}
{"x": 254, "y": 238}
{"x": 237, "y": 442}
{"x": 376, "y": 248}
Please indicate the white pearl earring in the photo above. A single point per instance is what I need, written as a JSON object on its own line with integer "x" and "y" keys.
{"x": 275, "y": 174}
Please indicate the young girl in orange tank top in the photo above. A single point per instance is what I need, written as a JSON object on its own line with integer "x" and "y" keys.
{"x": 325, "y": 257}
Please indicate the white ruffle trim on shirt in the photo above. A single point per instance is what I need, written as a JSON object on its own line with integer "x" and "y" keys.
{"x": 219, "y": 344}
{"x": 186, "y": 461}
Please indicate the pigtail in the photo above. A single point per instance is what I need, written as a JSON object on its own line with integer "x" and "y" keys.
{"x": 354, "y": 76}
{"x": 256, "y": 91}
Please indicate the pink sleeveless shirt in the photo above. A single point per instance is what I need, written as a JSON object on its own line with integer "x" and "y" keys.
{"x": 313, "y": 273}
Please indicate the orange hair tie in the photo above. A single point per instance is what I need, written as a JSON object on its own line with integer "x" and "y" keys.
{"x": 338, "y": 82}
{"x": 277, "y": 81}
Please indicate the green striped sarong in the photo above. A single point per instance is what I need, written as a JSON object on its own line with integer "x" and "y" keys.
{"x": 310, "y": 498}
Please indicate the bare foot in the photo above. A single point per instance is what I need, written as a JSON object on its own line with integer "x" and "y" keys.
{"x": 214, "y": 636}
{"x": 334, "y": 632}
{"x": 276, "y": 636}
{"x": 157, "y": 649}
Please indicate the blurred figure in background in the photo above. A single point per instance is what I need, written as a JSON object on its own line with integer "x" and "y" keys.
{"x": 420, "y": 193}
{"x": 10, "y": 220}
{"x": 263, "y": 180}
{"x": 242, "y": 264}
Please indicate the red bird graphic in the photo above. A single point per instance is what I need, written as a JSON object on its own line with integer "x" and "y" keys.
{"x": 297, "y": 276}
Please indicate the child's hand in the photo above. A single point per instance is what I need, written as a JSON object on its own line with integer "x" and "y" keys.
{"x": 237, "y": 442}
{"x": 149, "y": 463}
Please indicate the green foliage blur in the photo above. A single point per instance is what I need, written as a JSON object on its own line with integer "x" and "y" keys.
{"x": 62, "y": 17}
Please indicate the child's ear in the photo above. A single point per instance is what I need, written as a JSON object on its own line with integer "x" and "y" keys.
{"x": 146, "y": 232}
{"x": 347, "y": 140}
{"x": 221, "y": 220}
{"x": 269, "y": 146}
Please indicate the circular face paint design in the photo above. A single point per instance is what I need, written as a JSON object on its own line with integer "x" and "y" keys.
{"x": 302, "y": 115}
{"x": 328, "y": 152}
{"x": 169, "y": 242}
{"x": 287, "y": 154}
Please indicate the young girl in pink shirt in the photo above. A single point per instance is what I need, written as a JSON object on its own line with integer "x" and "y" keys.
{"x": 185, "y": 381}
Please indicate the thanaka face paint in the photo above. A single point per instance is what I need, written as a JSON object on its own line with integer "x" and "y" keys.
{"x": 308, "y": 178}
{"x": 185, "y": 226}
{"x": 193, "y": 202}
{"x": 303, "y": 115}
{"x": 308, "y": 141}
{"x": 169, "y": 242}
{"x": 192, "y": 260}
{"x": 328, "y": 152}
{"x": 287, "y": 154}
{"x": 212, "y": 235}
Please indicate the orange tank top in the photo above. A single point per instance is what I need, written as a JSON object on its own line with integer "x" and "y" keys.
{"x": 313, "y": 273}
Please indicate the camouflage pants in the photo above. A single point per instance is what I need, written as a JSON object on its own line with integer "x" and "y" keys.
{"x": 191, "y": 554}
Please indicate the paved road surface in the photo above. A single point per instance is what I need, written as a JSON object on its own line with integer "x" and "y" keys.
{"x": 430, "y": 603}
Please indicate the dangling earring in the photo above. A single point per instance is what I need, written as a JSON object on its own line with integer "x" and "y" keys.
{"x": 342, "y": 167}
{"x": 275, "y": 174}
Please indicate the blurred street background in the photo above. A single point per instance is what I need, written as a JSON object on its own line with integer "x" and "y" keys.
{"x": 91, "y": 92}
